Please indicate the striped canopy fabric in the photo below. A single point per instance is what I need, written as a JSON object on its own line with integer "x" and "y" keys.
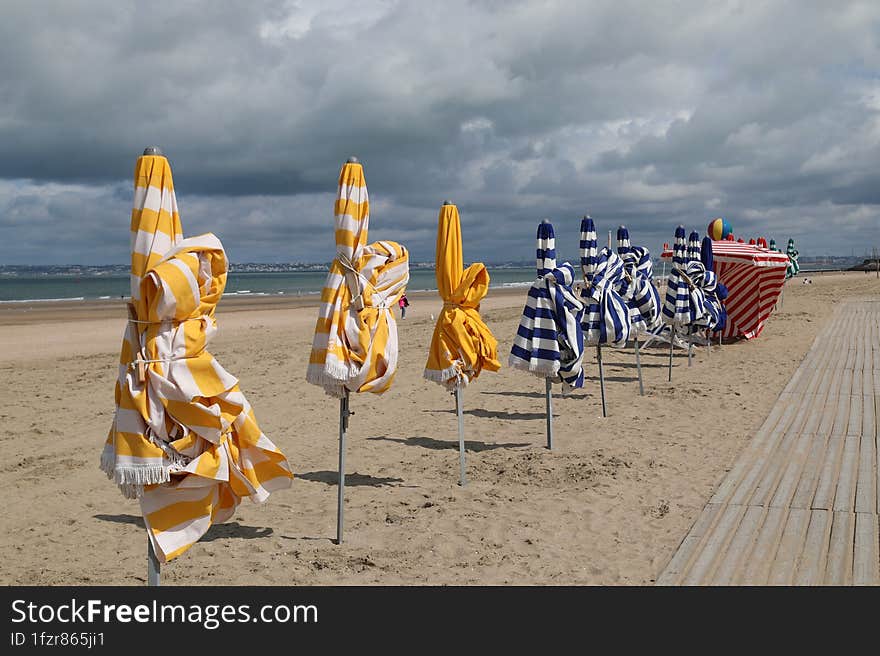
{"x": 462, "y": 345}
{"x": 607, "y": 314}
{"x": 637, "y": 285}
{"x": 684, "y": 305}
{"x": 753, "y": 277}
{"x": 693, "y": 246}
{"x": 793, "y": 266}
{"x": 355, "y": 346}
{"x": 184, "y": 439}
{"x": 714, "y": 291}
{"x": 549, "y": 341}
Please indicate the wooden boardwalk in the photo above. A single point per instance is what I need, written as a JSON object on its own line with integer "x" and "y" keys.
{"x": 800, "y": 504}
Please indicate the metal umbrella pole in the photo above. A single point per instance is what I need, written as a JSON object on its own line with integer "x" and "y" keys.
{"x": 639, "y": 368}
{"x": 459, "y": 411}
{"x": 154, "y": 567}
{"x": 601, "y": 378}
{"x": 549, "y": 392}
{"x": 690, "y": 350}
{"x": 671, "y": 344}
{"x": 344, "y": 414}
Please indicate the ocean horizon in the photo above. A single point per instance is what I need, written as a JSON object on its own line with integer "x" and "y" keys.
{"x": 44, "y": 287}
{"x": 54, "y": 283}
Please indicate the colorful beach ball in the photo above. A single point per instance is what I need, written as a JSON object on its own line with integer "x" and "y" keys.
{"x": 719, "y": 229}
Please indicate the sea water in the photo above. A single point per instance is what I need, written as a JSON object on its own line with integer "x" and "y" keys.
{"x": 21, "y": 287}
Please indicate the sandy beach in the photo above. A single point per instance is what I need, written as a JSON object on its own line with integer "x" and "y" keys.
{"x": 609, "y": 505}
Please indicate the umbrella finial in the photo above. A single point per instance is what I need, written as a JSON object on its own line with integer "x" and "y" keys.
{"x": 352, "y": 160}
{"x": 152, "y": 150}
{"x": 545, "y": 221}
{"x": 448, "y": 202}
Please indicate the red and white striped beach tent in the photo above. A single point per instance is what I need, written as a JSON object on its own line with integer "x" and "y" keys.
{"x": 753, "y": 276}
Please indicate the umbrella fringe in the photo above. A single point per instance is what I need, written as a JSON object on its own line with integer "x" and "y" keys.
{"x": 543, "y": 369}
{"x": 332, "y": 376}
{"x": 445, "y": 375}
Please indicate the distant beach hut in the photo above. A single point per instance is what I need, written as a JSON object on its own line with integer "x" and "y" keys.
{"x": 355, "y": 346}
{"x": 184, "y": 441}
{"x": 606, "y": 317}
{"x": 462, "y": 345}
{"x": 753, "y": 277}
{"x": 549, "y": 341}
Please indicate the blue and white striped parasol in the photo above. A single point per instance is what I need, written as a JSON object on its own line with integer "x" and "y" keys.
{"x": 713, "y": 290}
{"x": 549, "y": 341}
{"x": 606, "y": 319}
{"x": 693, "y": 246}
{"x": 606, "y": 316}
{"x": 637, "y": 285}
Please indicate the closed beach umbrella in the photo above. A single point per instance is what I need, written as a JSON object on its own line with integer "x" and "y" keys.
{"x": 462, "y": 345}
{"x": 637, "y": 284}
{"x": 606, "y": 316}
{"x": 184, "y": 440}
{"x": 637, "y": 288}
{"x": 549, "y": 341}
{"x": 684, "y": 306}
{"x": 793, "y": 266}
{"x": 355, "y": 347}
{"x": 693, "y": 246}
{"x": 713, "y": 290}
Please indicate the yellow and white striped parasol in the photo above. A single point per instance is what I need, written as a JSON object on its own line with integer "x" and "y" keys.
{"x": 355, "y": 344}
{"x": 184, "y": 439}
{"x": 462, "y": 345}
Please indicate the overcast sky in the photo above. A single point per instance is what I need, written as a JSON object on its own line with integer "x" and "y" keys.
{"x": 648, "y": 114}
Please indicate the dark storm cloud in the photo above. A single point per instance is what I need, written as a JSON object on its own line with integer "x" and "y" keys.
{"x": 648, "y": 114}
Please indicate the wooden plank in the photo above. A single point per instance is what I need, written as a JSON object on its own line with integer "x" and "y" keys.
{"x": 840, "y": 551}
{"x": 866, "y": 559}
{"x": 773, "y": 471}
{"x": 854, "y": 419}
{"x": 869, "y": 426}
{"x": 678, "y": 564}
{"x": 739, "y": 482}
{"x": 826, "y": 423}
{"x": 716, "y": 542}
{"x": 791, "y": 472}
{"x": 840, "y": 420}
{"x": 756, "y": 569}
{"x": 740, "y": 547}
{"x": 844, "y": 498}
{"x": 785, "y": 563}
{"x": 827, "y": 485}
{"x": 814, "y": 416}
{"x": 811, "y": 564}
{"x": 866, "y": 485}
{"x": 806, "y": 487}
